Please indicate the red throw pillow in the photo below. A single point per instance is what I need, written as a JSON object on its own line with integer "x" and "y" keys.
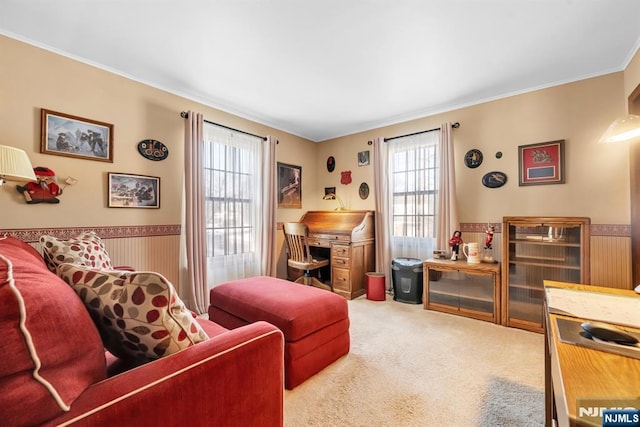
{"x": 51, "y": 350}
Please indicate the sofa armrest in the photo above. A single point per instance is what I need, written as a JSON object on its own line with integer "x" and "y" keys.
{"x": 235, "y": 378}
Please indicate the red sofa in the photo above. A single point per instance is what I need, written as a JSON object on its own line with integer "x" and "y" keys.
{"x": 54, "y": 369}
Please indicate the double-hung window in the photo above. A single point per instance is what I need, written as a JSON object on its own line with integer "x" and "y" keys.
{"x": 413, "y": 174}
{"x": 232, "y": 202}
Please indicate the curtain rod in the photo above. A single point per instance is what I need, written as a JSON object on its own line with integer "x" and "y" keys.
{"x": 185, "y": 115}
{"x": 456, "y": 125}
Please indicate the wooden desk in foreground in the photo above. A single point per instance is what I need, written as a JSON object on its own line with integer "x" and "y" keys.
{"x": 580, "y": 380}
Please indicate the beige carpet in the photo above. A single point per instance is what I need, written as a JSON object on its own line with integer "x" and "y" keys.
{"x": 414, "y": 367}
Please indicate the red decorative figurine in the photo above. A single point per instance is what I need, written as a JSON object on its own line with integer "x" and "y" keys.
{"x": 454, "y": 243}
{"x": 44, "y": 190}
{"x": 489, "y": 238}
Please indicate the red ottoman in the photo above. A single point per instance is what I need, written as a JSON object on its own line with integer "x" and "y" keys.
{"x": 315, "y": 323}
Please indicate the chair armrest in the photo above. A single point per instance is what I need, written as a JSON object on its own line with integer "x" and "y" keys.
{"x": 124, "y": 267}
{"x": 236, "y": 378}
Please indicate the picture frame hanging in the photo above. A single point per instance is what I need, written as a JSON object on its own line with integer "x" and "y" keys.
{"x": 289, "y": 186}
{"x": 72, "y": 136}
{"x": 133, "y": 191}
{"x": 363, "y": 158}
{"x": 541, "y": 163}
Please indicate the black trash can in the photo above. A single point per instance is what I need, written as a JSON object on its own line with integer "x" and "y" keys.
{"x": 407, "y": 280}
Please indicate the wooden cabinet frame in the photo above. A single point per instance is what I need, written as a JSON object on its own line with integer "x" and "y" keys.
{"x": 436, "y": 268}
{"x": 547, "y": 254}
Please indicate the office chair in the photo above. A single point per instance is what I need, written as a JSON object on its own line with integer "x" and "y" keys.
{"x": 296, "y": 235}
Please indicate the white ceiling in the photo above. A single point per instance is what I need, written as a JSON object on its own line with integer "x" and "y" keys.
{"x": 326, "y": 68}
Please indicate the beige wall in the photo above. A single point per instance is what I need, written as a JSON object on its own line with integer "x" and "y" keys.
{"x": 32, "y": 79}
{"x": 597, "y": 177}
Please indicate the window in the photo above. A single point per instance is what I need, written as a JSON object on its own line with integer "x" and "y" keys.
{"x": 230, "y": 160}
{"x": 414, "y": 170}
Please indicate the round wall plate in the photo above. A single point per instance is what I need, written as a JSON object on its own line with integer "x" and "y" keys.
{"x": 473, "y": 158}
{"x": 494, "y": 179}
{"x": 331, "y": 163}
{"x": 152, "y": 149}
{"x": 364, "y": 190}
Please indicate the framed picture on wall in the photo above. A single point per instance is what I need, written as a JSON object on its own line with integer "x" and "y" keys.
{"x": 363, "y": 158}
{"x": 541, "y": 163}
{"x": 289, "y": 186}
{"x": 133, "y": 191}
{"x": 73, "y": 136}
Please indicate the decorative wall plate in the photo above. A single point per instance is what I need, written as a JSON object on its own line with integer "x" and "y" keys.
{"x": 153, "y": 150}
{"x": 494, "y": 179}
{"x": 473, "y": 158}
{"x": 364, "y": 190}
{"x": 331, "y": 163}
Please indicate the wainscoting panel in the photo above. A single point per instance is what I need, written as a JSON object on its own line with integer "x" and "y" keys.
{"x": 611, "y": 261}
{"x": 145, "y": 247}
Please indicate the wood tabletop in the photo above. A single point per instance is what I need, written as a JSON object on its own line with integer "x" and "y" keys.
{"x": 582, "y": 375}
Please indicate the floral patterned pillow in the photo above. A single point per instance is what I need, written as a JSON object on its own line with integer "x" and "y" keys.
{"x": 139, "y": 314}
{"x": 85, "y": 249}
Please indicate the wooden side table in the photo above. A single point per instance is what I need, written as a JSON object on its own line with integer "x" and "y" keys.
{"x": 457, "y": 287}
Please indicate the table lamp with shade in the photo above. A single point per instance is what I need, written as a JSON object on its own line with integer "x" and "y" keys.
{"x": 15, "y": 165}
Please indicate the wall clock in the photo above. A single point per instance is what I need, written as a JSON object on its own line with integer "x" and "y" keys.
{"x": 152, "y": 149}
{"x": 473, "y": 158}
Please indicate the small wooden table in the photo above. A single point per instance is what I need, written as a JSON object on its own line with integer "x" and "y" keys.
{"x": 577, "y": 377}
{"x": 458, "y": 287}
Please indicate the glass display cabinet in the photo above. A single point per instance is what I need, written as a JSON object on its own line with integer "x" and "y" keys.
{"x": 536, "y": 249}
{"x": 458, "y": 287}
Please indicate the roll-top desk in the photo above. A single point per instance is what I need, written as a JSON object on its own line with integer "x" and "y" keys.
{"x": 347, "y": 238}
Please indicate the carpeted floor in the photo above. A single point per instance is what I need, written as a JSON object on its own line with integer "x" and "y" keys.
{"x": 414, "y": 367}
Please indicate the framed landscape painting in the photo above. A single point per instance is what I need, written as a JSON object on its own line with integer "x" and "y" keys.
{"x": 133, "y": 191}
{"x": 541, "y": 163}
{"x": 73, "y": 136}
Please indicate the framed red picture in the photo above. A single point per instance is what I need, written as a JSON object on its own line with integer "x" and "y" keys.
{"x": 541, "y": 163}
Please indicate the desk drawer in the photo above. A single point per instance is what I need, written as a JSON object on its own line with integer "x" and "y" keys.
{"x": 319, "y": 243}
{"x": 330, "y": 237}
{"x": 341, "y": 250}
{"x": 341, "y": 278}
{"x": 339, "y": 262}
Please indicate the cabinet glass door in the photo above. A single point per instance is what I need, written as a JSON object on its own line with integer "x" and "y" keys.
{"x": 538, "y": 252}
{"x": 462, "y": 291}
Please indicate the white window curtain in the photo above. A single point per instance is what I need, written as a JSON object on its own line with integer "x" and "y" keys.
{"x": 414, "y": 229}
{"x": 413, "y": 179}
{"x": 235, "y": 204}
{"x": 199, "y": 272}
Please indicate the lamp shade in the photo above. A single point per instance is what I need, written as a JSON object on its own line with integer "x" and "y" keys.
{"x": 623, "y": 129}
{"x": 15, "y": 165}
